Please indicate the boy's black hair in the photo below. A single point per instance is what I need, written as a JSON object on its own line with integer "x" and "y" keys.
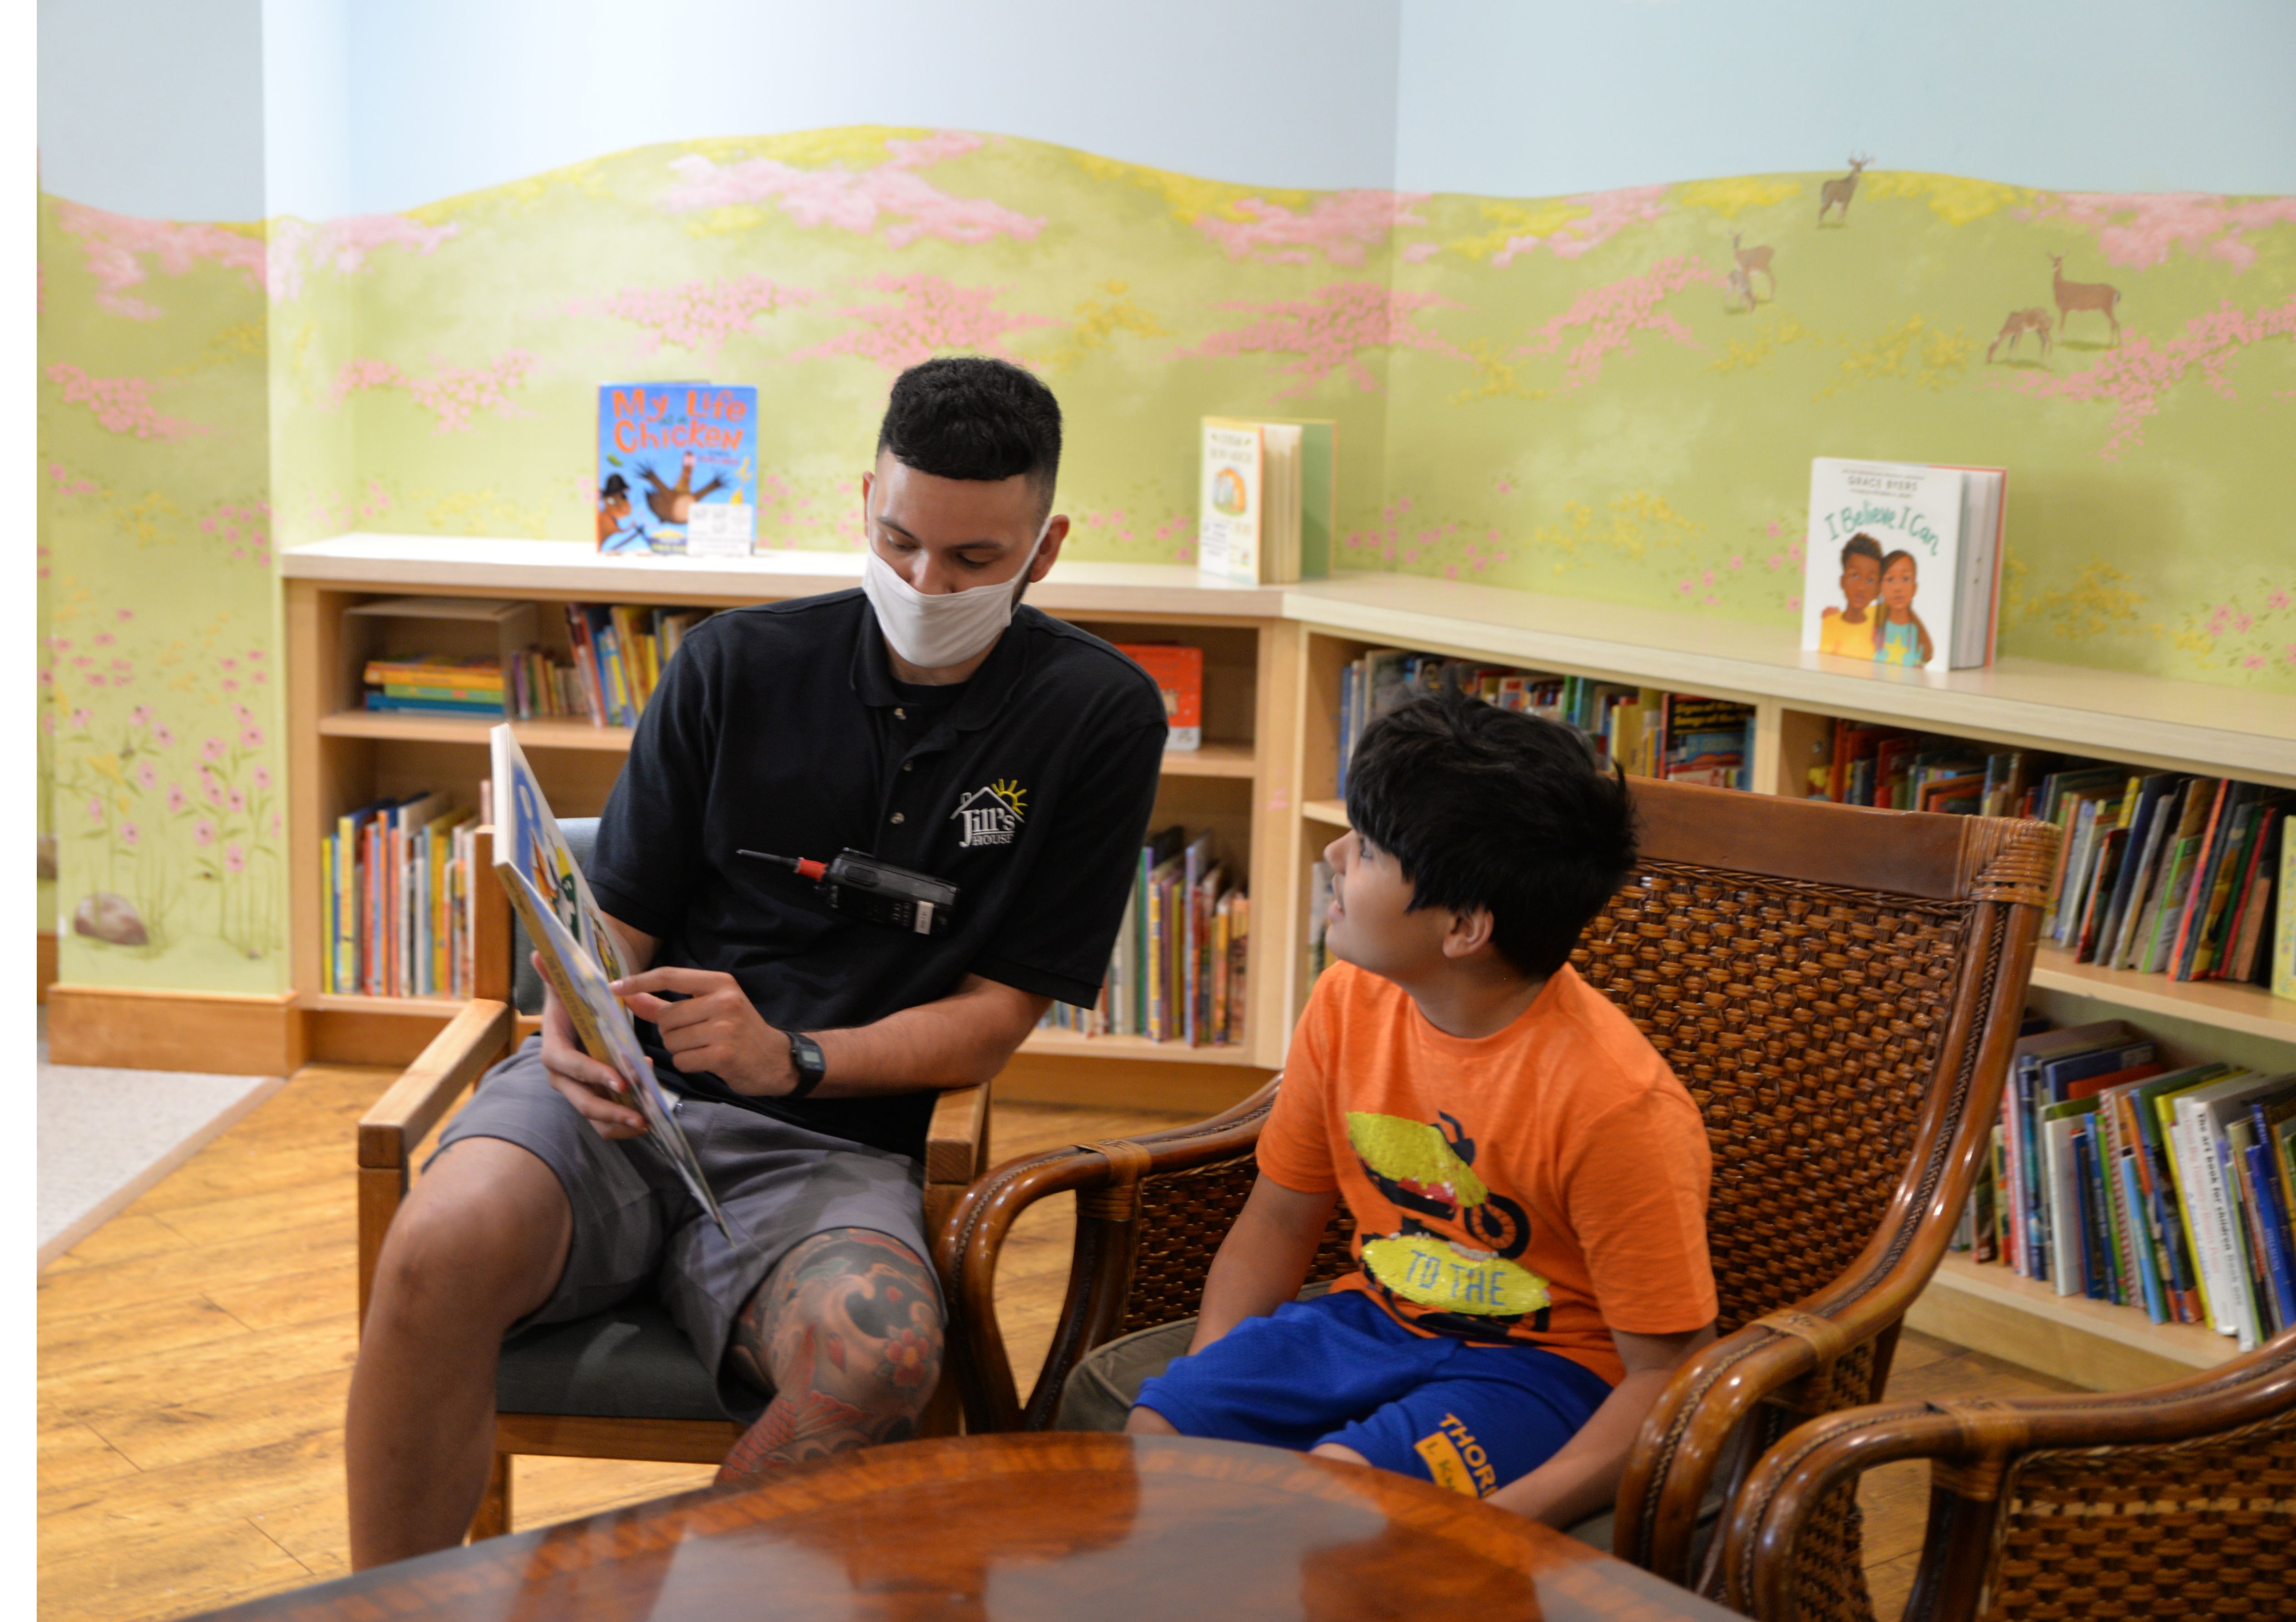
{"x": 1860, "y": 545}
{"x": 969, "y": 416}
{"x": 1487, "y": 808}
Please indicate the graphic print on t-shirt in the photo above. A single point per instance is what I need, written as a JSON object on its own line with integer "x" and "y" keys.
{"x": 1427, "y": 1171}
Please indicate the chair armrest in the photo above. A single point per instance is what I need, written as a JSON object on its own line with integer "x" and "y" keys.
{"x": 956, "y": 1143}
{"x": 387, "y": 1133}
{"x": 457, "y": 1057}
{"x": 1973, "y": 1448}
{"x": 968, "y": 1242}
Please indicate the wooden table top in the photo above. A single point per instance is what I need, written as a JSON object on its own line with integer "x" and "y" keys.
{"x": 1011, "y": 1529}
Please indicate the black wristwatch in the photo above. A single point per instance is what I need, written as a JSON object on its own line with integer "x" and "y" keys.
{"x": 805, "y": 1056}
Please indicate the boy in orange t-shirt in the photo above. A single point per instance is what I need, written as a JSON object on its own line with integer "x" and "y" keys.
{"x": 1528, "y": 1178}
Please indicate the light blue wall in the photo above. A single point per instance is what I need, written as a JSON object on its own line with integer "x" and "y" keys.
{"x": 159, "y": 107}
{"x": 452, "y": 95}
{"x": 307, "y": 98}
{"x": 1540, "y": 98}
{"x": 153, "y": 107}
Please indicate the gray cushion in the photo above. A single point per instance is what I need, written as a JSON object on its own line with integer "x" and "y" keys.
{"x": 628, "y": 1362}
{"x": 1102, "y": 1388}
{"x": 525, "y": 985}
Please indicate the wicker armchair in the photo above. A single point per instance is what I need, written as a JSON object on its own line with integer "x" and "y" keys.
{"x": 1837, "y": 989}
{"x": 2171, "y": 1502}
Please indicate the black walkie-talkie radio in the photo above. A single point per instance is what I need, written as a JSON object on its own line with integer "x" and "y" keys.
{"x": 860, "y": 886}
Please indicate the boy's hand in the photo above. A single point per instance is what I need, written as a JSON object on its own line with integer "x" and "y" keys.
{"x": 591, "y": 1087}
{"x": 1582, "y": 1478}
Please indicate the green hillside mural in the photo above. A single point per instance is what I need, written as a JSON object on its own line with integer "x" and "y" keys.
{"x": 1614, "y": 395}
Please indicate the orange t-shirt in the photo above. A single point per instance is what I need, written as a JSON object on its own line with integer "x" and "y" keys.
{"x": 1545, "y": 1185}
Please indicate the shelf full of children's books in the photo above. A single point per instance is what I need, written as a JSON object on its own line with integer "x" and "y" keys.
{"x": 2250, "y": 1009}
{"x": 1050, "y": 1039}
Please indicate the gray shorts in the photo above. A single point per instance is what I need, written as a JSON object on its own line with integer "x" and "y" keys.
{"x": 636, "y": 1227}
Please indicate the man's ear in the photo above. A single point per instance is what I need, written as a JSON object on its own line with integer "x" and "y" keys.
{"x": 1470, "y": 933}
{"x": 1055, "y": 532}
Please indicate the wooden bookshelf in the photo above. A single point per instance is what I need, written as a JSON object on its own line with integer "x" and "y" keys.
{"x": 1267, "y": 775}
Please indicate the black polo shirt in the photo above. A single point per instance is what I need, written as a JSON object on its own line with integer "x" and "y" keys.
{"x": 781, "y": 728}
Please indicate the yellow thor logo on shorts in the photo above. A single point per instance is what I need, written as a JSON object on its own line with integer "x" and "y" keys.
{"x": 1456, "y": 1461}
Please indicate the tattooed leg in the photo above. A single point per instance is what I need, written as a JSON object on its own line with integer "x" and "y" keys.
{"x": 846, "y": 1335}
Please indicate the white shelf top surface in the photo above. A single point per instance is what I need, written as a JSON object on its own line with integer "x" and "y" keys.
{"x": 2116, "y": 714}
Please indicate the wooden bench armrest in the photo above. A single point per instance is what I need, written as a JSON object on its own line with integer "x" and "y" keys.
{"x": 956, "y": 1143}
{"x": 457, "y": 1057}
{"x": 402, "y": 1118}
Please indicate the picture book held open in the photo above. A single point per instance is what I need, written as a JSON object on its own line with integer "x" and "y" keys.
{"x": 528, "y": 847}
{"x": 1903, "y": 563}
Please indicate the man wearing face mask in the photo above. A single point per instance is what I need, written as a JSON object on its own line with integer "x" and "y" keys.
{"x": 928, "y": 719}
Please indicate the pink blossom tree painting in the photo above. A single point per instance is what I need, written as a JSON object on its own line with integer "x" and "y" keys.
{"x": 890, "y": 199}
{"x": 930, "y": 316}
{"x": 1331, "y": 331}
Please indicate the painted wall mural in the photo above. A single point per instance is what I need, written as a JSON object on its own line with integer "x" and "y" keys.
{"x": 1611, "y": 396}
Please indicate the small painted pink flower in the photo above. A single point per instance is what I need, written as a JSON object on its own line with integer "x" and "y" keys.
{"x": 162, "y": 737}
{"x": 2279, "y": 600}
{"x": 238, "y": 801}
{"x": 204, "y": 833}
{"x": 250, "y": 736}
{"x": 263, "y": 777}
{"x": 129, "y": 834}
{"x": 147, "y": 775}
{"x": 212, "y": 750}
{"x": 95, "y": 809}
{"x": 140, "y": 715}
{"x": 234, "y": 859}
{"x": 126, "y": 614}
{"x": 82, "y": 718}
{"x": 176, "y": 800}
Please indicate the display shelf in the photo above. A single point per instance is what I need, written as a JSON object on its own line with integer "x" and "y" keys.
{"x": 1331, "y": 813}
{"x": 1991, "y": 1309}
{"x": 1212, "y": 760}
{"x": 556, "y": 732}
{"x": 2250, "y": 1009}
{"x": 2148, "y": 719}
{"x": 345, "y": 1001}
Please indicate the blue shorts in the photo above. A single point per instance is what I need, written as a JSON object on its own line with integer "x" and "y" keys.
{"x": 1338, "y": 1369}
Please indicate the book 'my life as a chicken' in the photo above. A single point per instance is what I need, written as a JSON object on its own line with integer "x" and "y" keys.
{"x": 677, "y": 469}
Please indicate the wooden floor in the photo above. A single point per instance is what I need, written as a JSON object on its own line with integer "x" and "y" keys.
{"x": 195, "y": 1354}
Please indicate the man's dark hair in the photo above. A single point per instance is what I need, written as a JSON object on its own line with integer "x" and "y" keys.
{"x": 1492, "y": 809}
{"x": 968, "y": 416}
{"x": 1860, "y": 545}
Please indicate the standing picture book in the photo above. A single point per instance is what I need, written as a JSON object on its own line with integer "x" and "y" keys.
{"x": 1903, "y": 563}
{"x": 527, "y": 838}
{"x": 579, "y": 955}
{"x": 677, "y": 469}
{"x": 1268, "y": 499}
{"x": 1178, "y": 669}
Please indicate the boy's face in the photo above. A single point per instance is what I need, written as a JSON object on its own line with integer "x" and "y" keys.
{"x": 1371, "y": 923}
{"x": 1897, "y": 584}
{"x": 1861, "y": 579}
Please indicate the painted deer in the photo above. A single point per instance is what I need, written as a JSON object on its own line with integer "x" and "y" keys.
{"x": 2101, "y": 296}
{"x": 1837, "y": 193}
{"x": 1752, "y": 259}
{"x": 2020, "y": 323}
{"x": 1742, "y": 286}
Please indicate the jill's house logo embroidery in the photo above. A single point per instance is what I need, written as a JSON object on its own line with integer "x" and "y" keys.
{"x": 992, "y": 816}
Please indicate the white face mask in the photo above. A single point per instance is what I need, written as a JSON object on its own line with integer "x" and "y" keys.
{"x": 935, "y": 632}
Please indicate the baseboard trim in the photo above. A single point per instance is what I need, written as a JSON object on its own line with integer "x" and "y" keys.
{"x": 215, "y": 1033}
{"x": 44, "y": 958}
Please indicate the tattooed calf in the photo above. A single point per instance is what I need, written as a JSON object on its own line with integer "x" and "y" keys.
{"x": 846, "y": 1335}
